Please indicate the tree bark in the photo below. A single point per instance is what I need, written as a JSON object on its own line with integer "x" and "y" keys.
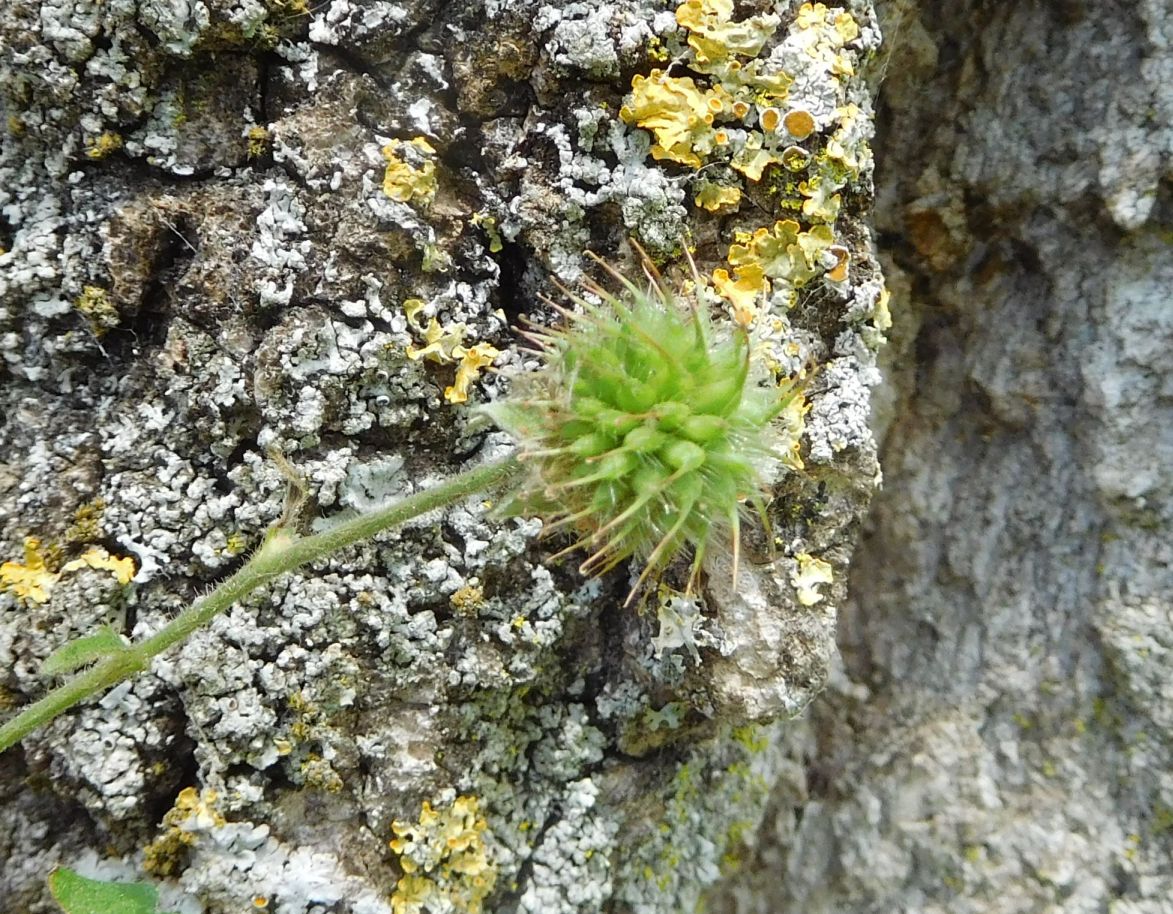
{"x": 999, "y": 734}
{"x": 248, "y": 241}
{"x": 235, "y": 230}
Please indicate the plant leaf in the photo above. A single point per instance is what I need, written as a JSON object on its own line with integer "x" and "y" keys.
{"x": 86, "y": 649}
{"x": 79, "y": 895}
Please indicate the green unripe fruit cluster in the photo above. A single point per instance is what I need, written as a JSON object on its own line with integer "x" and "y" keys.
{"x": 645, "y": 429}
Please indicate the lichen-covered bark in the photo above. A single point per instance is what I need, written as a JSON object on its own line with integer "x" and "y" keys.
{"x": 238, "y": 230}
{"x": 999, "y": 738}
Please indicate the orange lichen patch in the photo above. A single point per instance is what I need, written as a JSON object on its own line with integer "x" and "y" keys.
{"x": 770, "y": 118}
{"x": 740, "y": 109}
{"x": 799, "y": 123}
{"x": 714, "y": 197}
{"x": 677, "y": 112}
{"x": 838, "y": 273}
{"x": 714, "y": 36}
{"x": 411, "y": 171}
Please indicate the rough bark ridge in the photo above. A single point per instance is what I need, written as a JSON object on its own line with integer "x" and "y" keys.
{"x": 999, "y": 739}
{"x": 230, "y": 227}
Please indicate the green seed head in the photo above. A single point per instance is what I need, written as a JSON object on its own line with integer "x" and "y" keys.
{"x": 645, "y": 429}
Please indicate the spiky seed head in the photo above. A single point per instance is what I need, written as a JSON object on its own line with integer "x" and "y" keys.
{"x": 645, "y": 429}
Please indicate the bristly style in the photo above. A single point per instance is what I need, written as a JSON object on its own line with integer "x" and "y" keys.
{"x": 645, "y": 430}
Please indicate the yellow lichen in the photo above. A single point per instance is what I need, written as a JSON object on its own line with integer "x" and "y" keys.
{"x": 87, "y": 522}
{"x": 795, "y": 158}
{"x": 882, "y": 317}
{"x": 809, "y": 574}
{"x": 319, "y": 774}
{"x": 823, "y": 33}
{"x": 445, "y": 346}
{"x": 467, "y": 599}
{"x": 472, "y": 360}
{"x": 781, "y": 259}
{"x": 101, "y": 560}
{"x": 32, "y": 580}
{"x": 822, "y": 203}
{"x": 713, "y": 35}
{"x": 751, "y": 160}
{"x": 440, "y": 342}
{"x": 783, "y": 252}
{"x": 714, "y": 197}
{"x": 678, "y": 113}
{"x": 411, "y": 171}
{"x": 742, "y": 293}
{"x": 102, "y": 145}
{"x": 848, "y": 146}
{"x": 489, "y": 224}
{"x": 236, "y": 543}
{"x": 193, "y": 812}
{"x": 444, "y": 858}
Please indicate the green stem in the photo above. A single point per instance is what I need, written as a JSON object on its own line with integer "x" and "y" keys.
{"x": 281, "y": 552}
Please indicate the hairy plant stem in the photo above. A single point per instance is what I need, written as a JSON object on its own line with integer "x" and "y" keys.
{"x": 281, "y": 552}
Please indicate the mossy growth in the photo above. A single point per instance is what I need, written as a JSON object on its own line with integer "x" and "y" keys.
{"x": 87, "y": 522}
{"x": 95, "y": 305}
{"x": 102, "y": 145}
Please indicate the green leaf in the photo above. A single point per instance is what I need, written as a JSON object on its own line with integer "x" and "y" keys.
{"x": 77, "y": 653}
{"x": 79, "y": 895}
